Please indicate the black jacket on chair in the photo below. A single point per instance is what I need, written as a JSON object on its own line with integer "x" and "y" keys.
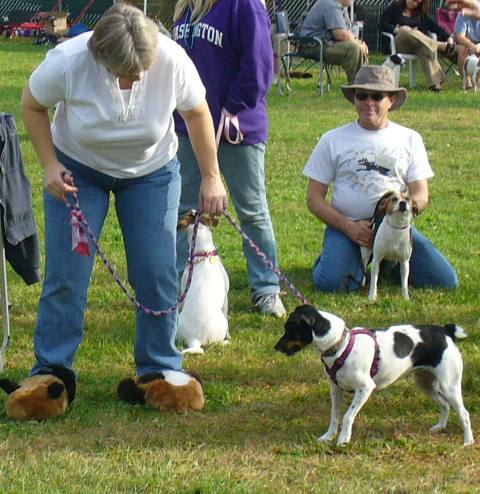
{"x": 22, "y": 247}
{"x": 391, "y": 17}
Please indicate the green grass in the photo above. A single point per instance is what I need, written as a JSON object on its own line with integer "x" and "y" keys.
{"x": 264, "y": 411}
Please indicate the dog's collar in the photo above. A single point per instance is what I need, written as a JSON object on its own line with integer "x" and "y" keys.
{"x": 334, "y": 349}
{"x": 201, "y": 256}
{"x": 340, "y": 361}
{"x": 398, "y": 227}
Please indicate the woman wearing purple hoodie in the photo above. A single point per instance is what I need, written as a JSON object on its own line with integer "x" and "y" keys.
{"x": 229, "y": 43}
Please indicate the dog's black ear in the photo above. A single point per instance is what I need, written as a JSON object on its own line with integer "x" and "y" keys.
{"x": 8, "y": 386}
{"x": 129, "y": 392}
{"x": 383, "y": 202}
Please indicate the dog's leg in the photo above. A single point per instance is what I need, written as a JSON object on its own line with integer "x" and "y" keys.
{"x": 429, "y": 383}
{"x": 336, "y": 396}
{"x": 404, "y": 273}
{"x": 374, "y": 269}
{"x": 194, "y": 347}
{"x": 454, "y": 395}
{"x": 359, "y": 399}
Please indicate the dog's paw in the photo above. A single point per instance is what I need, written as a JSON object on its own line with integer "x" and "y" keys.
{"x": 193, "y": 351}
{"x": 469, "y": 442}
{"x": 437, "y": 428}
{"x": 328, "y": 436}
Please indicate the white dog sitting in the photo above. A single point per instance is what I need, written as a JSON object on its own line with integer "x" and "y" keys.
{"x": 392, "y": 223}
{"x": 471, "y": 69}
{"x": 203, "y": 315}
{"x": 359, "y": 361}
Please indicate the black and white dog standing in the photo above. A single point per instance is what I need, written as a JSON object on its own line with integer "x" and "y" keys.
{"x": 360, "y": 361}
{"x": 392, "y": 224}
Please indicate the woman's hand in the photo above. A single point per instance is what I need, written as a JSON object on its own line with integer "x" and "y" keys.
{"x": 360, "y": 232}
{"x": 54, "y": 182}
{"x": 213, "y": 196}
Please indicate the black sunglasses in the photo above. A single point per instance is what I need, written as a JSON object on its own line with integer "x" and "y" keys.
{"x": 375, "y": 96}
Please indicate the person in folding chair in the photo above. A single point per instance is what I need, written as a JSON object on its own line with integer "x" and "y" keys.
{"x": 229, "y": 43}
{"x": 115, "y": 90}
{"x": 362, "y": 160}
{"x": 467, "y": 35}
{"x": 409, "y": 21}
{"x": 326, "y": 21}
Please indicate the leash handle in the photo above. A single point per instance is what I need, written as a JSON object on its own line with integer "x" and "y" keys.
{"x": 227, "y": 120}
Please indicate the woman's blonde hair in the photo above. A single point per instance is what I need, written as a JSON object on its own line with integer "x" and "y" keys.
{"x": 198, "y": 8}
{"x": 124, "y": 40}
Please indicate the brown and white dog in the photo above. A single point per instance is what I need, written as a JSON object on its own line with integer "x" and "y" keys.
{"x": 471, "y": 69}
{"x": 360, "y": 361}
{"x": 392, "y": 224}
{"x": 202, "y": 318}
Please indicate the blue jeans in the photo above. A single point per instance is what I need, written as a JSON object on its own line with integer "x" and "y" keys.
{"x": 147, "y": 209}
{"x": 243, "y": 168}
{"x": 339, "y": 266}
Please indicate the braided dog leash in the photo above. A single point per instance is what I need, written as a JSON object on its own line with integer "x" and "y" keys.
{"x": 81, "y": 228}
{"x": 266, "y": 260}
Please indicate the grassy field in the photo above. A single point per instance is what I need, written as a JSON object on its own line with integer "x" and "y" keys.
{"x": 264, "y": 411}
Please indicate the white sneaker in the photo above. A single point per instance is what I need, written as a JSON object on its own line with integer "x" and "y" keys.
{"x": 271, "y": 304}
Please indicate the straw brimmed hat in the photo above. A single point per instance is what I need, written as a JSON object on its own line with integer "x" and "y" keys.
{"x": 376, "y": 78}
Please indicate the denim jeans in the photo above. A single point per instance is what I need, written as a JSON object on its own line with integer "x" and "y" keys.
{"x": 339, "y": 266}
{"x": 147, "y": 209}
{"x": 243, "y": 168}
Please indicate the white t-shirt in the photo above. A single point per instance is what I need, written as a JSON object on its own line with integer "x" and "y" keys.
{"x": 364, "y": 164}
{"x": 120, "y": 133}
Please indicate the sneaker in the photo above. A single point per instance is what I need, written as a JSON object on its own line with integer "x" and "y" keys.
{"x": 271, "y": 304}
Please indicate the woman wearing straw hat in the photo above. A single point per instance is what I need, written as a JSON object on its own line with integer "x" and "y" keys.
{"x": 363, "y": 160}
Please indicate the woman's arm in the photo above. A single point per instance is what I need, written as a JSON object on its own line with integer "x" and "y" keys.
{"x": 37, "y": 124}
{"x": 358, "y": 231}
{"x": 419, "y": 192}
{"x": 389, "y": 18}
{"x": 213, "y": 197}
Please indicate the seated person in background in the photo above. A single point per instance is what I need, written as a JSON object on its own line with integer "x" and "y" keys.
{"x": 467, "y": 35}
{"x": 409, "y": 21}
{"x": 325, "y": 20}
{"x": 468, "y": 7}
{"x": 363, "y": 160}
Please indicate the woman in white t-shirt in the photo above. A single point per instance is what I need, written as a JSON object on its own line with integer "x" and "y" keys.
{"x": 362, "y": 161}
{"x": 115, "y": 91}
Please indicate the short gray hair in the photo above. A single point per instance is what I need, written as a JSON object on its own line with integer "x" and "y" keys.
{"x": 124, "y": 40}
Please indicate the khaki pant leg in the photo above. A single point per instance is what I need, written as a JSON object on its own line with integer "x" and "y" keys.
{"x": 425, "y": 48}
{"x": 347, "y": 54}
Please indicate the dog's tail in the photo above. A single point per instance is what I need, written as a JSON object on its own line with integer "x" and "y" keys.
{"x": 455, "y": 332}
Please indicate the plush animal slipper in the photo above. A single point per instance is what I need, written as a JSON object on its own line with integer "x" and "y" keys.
{"x": 166, "y": 390}
{"x": 41, "y": 396}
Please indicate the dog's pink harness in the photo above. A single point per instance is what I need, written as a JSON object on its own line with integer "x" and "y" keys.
{"x": 201, "y": 256}
{"x": 340, "y": 361}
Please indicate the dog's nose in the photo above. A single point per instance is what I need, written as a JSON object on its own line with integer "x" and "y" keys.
{"x": 402, "y": 206}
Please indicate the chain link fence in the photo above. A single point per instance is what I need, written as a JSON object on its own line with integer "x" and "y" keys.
{"x": 368, "y": 11}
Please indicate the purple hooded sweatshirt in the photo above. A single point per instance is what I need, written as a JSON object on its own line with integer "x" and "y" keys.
{"x": 232, "y": 51}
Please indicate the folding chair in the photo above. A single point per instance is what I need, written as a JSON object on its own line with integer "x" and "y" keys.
{"x": 446, "y": 18}
{"x": 410, "y": 58}
{"x": 293, "y": 55}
